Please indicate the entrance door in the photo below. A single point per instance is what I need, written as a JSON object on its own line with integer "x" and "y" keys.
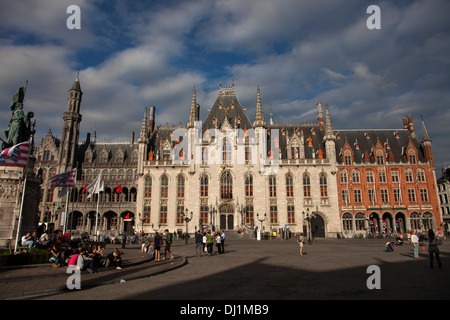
{"x": 317, "y": 227}
{"x": 226, "y": 217}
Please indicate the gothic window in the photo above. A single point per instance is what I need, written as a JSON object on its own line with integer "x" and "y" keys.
{"x": 147, "y": 214}
{"x": 204, "y": 185}
{"x": 360, "y": 219}
{"x": 323, "y": 185}
{"x": 163, "y": 215}
{"x": 343, "y": 176}
{"x": 357, "y": 195}
{"x": 380, "y": 157}
{"x": 369, "y": 177}
{"x": 273, "y": 214}
{"x": 204, "y": 214}
{"x": 394, "y": 175}
{"x": 382, "y": 176}
{"x": 180, "y": 214}
{"x": 134, "y": 157}
{"x": 412, "y": 195}
{"x": 409, "y": 176}
{"x": 129, "y": 174}
{"x": 415, "y": 221}
{"x": 226, "y": 186}
{"x": 424, "y": 195}
{"x": 164, "y": 186}
{"x": 113, "y": 175}
{"x": 384, "y": 196}
{"x": 249, "y": 214}
{"x": 306, "y": 186}
{"x": 104, "y": 157}
{"x": 249, "y": 185}
{"x": 290, "y": 214}
{"x": 344, "y": 196}
{"x": 272, "y": 186}
{"x": 289, "y": 186}
{"x": 348, "y": 158}
{"x": 355, "y": 176}
{"x": 148, "y": 188}
{"x": 226, "y": 151}
{"x": 420, "y": 176}
{"x": 347, "y": 221}
{"x": 411, "y": 156}
{"x": 180, "y": 187}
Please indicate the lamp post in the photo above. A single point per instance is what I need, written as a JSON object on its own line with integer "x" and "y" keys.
{"x": 308, "y": 224}
{"x": 261, "y": 220}
{"x": 187, "y": 219}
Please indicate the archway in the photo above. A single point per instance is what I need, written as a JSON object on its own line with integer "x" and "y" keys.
{"x": 400, "y": 222}
{"x": 128, "y": 222}
{"x": 374, "y": 223}
{"x": 388, "y": 226}
{"x": 317, "y": 226}
{"x": 226, "y": 213}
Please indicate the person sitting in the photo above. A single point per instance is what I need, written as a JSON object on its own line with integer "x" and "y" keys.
{"x": 55, "y": 258}
{"x": 86, "y": 262}
{"x": 27, "y": 241}
{"x": 74, "y": 258}
{"x": 117, "y": 258}
{"x": 389, "y": 247}
{"x": 68, "y": 253}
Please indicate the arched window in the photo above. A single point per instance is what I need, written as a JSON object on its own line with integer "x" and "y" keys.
{"x": 347, "y": 221}
{"x": 306, "y": 186}
{"x": 148, "y": 188}
{"x": 204, "y": 185}
{"x": 415, "y": 221}
{"x": 226, "y": 186}
{"x": 289, "y": 186}
{"x": 226, "y": 149}
{"x": 360, "y": 219}
{"x": 272, "y": 186}
{"x": 164, "y": 186}
{"x": 323, "y": 185}
{"x": 249, "y": 185}
{"x": 113, "y": 175}
{"x": 180, "y": 187}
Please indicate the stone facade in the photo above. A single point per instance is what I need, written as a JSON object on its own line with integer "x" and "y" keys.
{"x": 224, "y": 172}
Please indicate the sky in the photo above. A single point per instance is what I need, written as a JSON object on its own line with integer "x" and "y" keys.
{"x": 132, "y": 54}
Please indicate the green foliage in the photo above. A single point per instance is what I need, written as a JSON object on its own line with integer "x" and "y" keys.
{"x": 24, "y": 257}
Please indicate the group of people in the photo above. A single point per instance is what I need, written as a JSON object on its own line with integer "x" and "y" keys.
{"x": 42, "y": 241}
{"x": 204, "y": 242}
{"x": 420, "y": 239}
{"x": 154, "y": 247}
{"x": 85, "y": 257}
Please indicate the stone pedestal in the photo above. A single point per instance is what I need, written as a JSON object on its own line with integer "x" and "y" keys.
{"x": 12, "y": 180}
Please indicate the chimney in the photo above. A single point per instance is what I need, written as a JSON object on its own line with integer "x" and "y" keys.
{"x": 151, "y": 121}
{"x": 405, "y": 125}
{"x": 132, "y": 138}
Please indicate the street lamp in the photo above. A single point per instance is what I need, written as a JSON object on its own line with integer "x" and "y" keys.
{"x": 187, "y": 219}
{"x": 261, "y": 219}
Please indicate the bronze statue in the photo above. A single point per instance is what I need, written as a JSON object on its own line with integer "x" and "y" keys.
{"x": 21, "y": 127}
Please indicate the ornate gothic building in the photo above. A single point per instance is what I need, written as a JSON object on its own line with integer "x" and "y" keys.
{"x": 231, "y": 173}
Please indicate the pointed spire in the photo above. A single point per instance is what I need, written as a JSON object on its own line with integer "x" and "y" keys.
{"x": 270, "y": 115}
{"x": 76, "y": 85}
{"x": 193, "y": 113}
{"x": 425, "y": 136}
{"x": 329, "y": 135}
{"x": 144, "y": 128}
{"x": 259, "y": 115}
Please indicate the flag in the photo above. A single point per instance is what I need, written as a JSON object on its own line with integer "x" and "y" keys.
{"x": 96, "y": 186}
{"x": 15, "y": 156}
{"x": 65, "y": 179}
{"x": 84, "y": 188}
{"x": 119, "y": 188}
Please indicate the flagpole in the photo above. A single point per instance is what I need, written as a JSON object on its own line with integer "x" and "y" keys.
{"x": 65, "y": 213}
{"x": 96, "y": 216}
{"x": 19, "y": 224}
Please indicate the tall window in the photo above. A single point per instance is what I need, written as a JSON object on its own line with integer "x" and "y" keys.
{"x": 409, "y": 176}
{"x": 344, "y": 196}
{"x": 384, "y": 196}
{"x": 290, "y": 214}
{"x": 371, "y": 195}
{"x": 369, "y": 177}
{"x": 347, "y": 221}
{"x": 289, "y": 186}
{"x": 348, "y": 158}
{"x": 420, "y": 176}
{"x": 344, "y": 178}
{"x": 397, "y": 197}
{"x": 204, "y": 186}
{"x": 164, "y": 187}
{"x": 163, "y": 215}
{"x": 323, "y": 185}
{"x": 148, "y": 187}
{"x": 394, "y": 175}
{"x": 382, "y": 176}
{"x": 412, "y": 195}
{"x": 272, "y": 186}
{"x": 273, "y": 214}
{"x": 204, "y": 214}
{"x": 424, "y": 195}
{"x": 180, "y": 212}
{"x": 306, "y": 186}
{"x": 380, "y": 157}
{"x": 360, "y": 219}
{"x": 180, "y": 187}
{"x": 355, "y": 176}
{"x": 249, "y": 214}
{"x": 226, "y": 186}
{"x": 226, "y": 151}
{"x": 249, "y": 185}
{"x": 357, "y": 194}
{"x": 147, "y": 213}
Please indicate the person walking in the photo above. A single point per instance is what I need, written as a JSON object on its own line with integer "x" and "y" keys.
{"x": 218, "y": 243}
{"x": 415, "y": 243}
{"x": 222, "y": 241}
{"x": 168, "y": 244}
{"x": 433, "y": 248}
{"x": 209, "y": 243}
{"x": 301, "y": 241}
{"x": 198, "y": 244}
{"x": 157, "y": 243}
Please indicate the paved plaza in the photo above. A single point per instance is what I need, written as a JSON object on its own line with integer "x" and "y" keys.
{"x": 330, "y": 269}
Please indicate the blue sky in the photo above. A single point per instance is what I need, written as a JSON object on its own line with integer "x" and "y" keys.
{"x": 133, "y": 54}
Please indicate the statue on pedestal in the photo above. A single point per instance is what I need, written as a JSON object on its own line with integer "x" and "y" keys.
{"x": 21, "y": 127}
